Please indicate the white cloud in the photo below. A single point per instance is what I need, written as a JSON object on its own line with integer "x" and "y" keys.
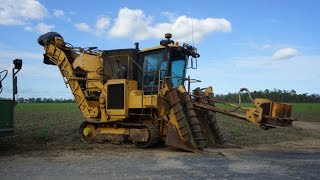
{"x": 130, "y": 23}
{"x": 83, "y": 27}
{"x": 136, "y": 25}
{"x": 170, "y": 15}
{"x": 19, "y": 11}
{"x": 44, "y": 28}
{"x": 102, "y": 24}
{"x": 40, "y": 28}
{"x": 58, "y": 12}
{"x": 133, "y": 23}
{"x": 285, "y": 53}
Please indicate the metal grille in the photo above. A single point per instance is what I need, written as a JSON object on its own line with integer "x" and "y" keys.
{"x": 115, "y": 99}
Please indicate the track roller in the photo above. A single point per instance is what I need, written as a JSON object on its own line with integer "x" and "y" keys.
{"x": 87, "y": 132}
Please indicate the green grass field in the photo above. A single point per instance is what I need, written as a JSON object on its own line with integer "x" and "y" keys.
{"x": 56, "y": 126}
{"x": 45, "y": 106}
{"x": 306, "y": 111}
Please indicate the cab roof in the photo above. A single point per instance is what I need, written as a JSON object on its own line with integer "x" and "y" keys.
{"x": 158, "y": 47}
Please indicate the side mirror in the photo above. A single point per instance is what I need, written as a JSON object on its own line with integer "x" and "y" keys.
{"x": 17, "y": 64}
{"x": 193, "y": 63}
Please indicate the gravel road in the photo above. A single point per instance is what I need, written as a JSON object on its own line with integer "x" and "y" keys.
{"x": 161, "y": 164}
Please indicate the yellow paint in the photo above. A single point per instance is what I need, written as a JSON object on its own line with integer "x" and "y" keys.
{"x": 259, "y": 101}
{"x": 88, "y": 63}
{"x": 57, "y": 56}
{"x": 208, "y": 91}
{"x": 94, "y": 84}
{"x": 182, "y": 89}
{"x": 87, "y": 131}
{"x": 158, "y": 47}
{"x": 137, "y": 100}
{"x": 174, "y": 121}
{"x": 58, "y": 41}
{"x": 164, "y": 89}
{"x": 254, "y": 115}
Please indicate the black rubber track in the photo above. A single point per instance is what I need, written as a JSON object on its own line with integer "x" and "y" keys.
{"x": 154, "y": 137}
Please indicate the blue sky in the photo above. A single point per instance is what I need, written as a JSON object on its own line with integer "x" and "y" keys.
{"x": 254, "y": 44}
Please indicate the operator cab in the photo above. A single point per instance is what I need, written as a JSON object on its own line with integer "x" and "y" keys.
{"x": 149, "y": 67}
{"x": 167, "y": 62}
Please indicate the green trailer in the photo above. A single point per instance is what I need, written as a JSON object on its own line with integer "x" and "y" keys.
{"x": 6, "y": 117}
{"x": 6, "y": 105}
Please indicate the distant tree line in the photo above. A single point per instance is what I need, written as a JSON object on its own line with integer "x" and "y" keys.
{"x": 277, "y": 95}
{"x": 274, "y": 95}
{"x": 44, "y": 100}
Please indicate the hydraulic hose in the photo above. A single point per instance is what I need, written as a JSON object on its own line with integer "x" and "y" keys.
{"x": 239, "y": 96}
{"x": 1, "y": 79}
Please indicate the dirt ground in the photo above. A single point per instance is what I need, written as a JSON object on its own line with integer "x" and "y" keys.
{"x": 39, "y": 151}
{"x": 276, "y": 162}
{"x": 161, "y": 164}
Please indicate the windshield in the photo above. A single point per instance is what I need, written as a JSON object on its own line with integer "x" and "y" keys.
{"x": 152, "y": 64}
{"x": 178, "y": 71}
{"x": 155, "y": 65}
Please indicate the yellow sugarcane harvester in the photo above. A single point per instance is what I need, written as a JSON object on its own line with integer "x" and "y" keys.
{"x": 144, "y": 97}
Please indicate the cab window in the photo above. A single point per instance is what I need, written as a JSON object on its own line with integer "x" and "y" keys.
{"x": 152, "y": 64}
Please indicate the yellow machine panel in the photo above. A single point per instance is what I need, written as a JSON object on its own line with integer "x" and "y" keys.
{"x": 117, "y": 97}
{"x": 138, "y": 100}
